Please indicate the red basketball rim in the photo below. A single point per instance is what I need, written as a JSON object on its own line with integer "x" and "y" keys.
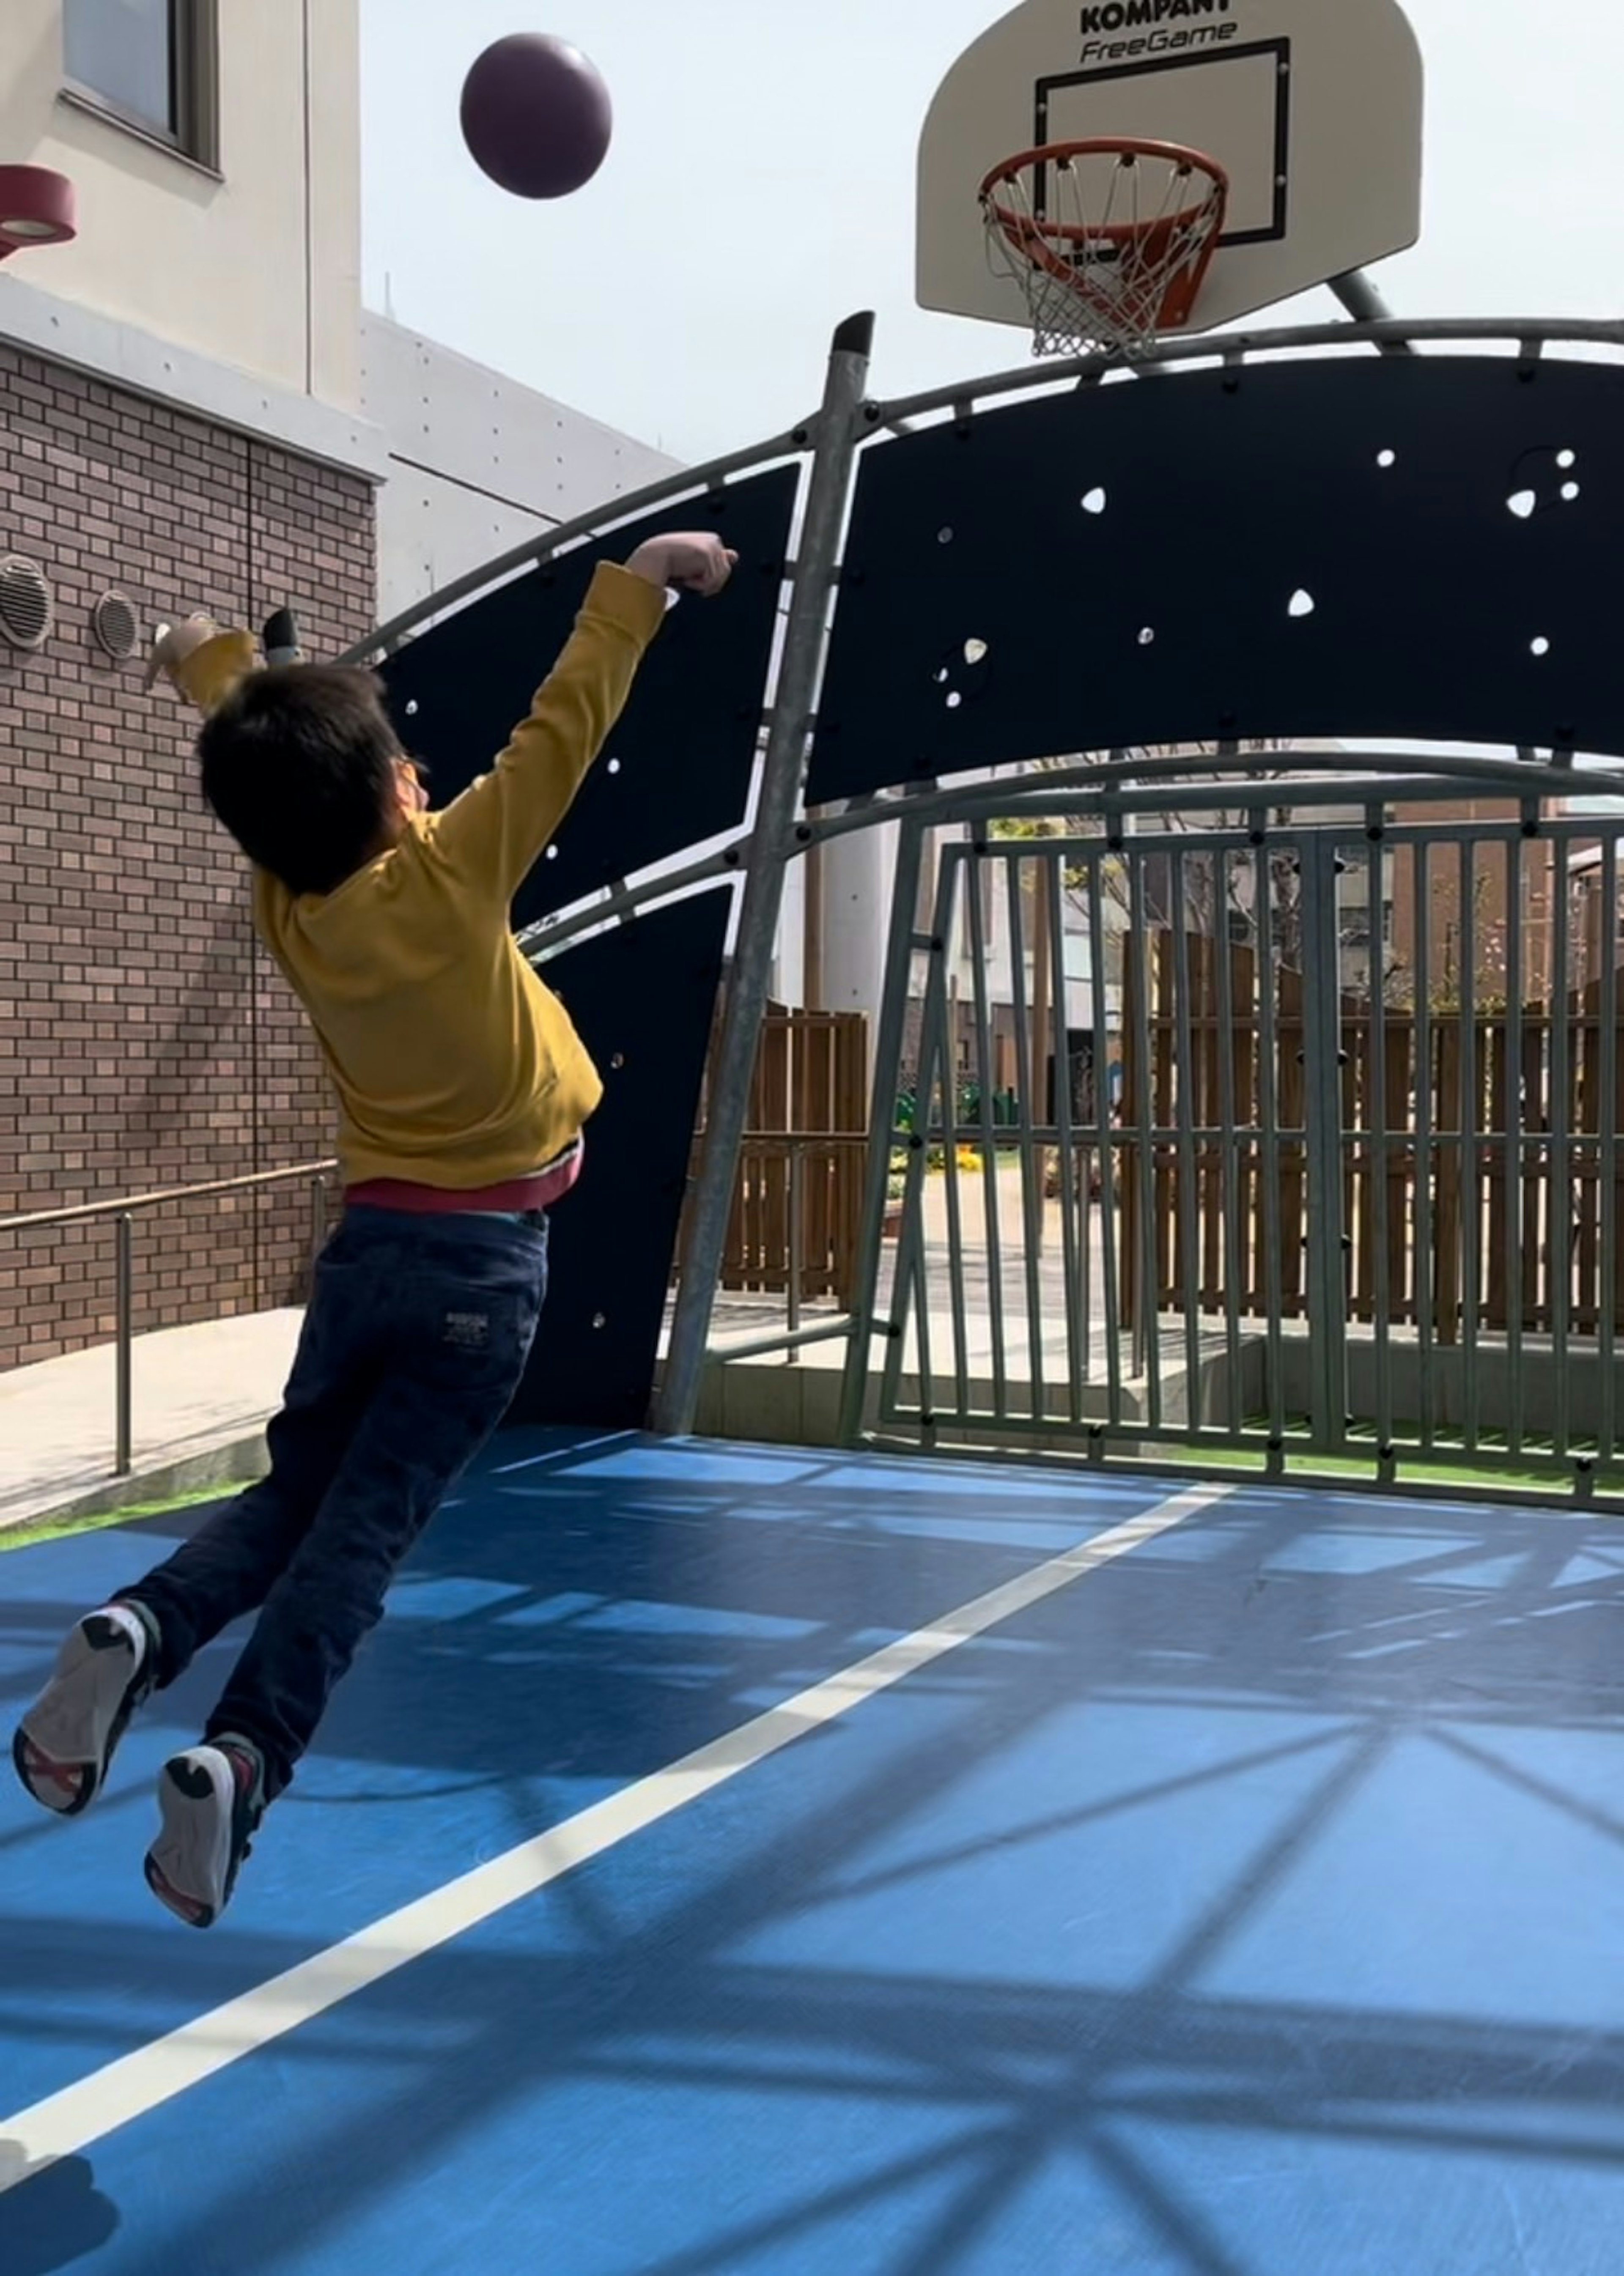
{"x": 1018, "y": 226}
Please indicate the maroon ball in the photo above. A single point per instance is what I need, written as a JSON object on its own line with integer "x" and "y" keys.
{"x": 536, "y": 116}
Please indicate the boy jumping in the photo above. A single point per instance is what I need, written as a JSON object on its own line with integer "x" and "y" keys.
{"x": 463, "y": 1092}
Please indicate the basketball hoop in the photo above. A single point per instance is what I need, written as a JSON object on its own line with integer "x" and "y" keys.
{"x": 1110, "y": 241}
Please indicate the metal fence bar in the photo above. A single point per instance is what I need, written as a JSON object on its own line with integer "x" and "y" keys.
{"x": 796, "y": 1174}
{"x": 1205, "y": 1454}
{"x": 1268, "y": 1117}
{"x": 883, "y": 1135}
{"x": 828, "y": 493}
{"x": 770, "y": 1346}
{"x": 1378, "y": 1156}
{"x": 1147, "y": 1314}
{"x": 1324, "y": 1141}
{"x": 1425, "y": 1142}
{"x": 937, "y": 1105}
{"x": 956, "y": 878}
{"x": 989, "y": 1168}
{"x": 124, "y": 1461}
{"x": 1188, "y": 1264}
{"x": 1469, "y": 1210}
{"x": 1075, "y": 1172}
{"x": 1110, "y": 1153}
{"x": 1563, "y": 1216}
{"x": 1231, "y": 1173}
{"x": 909, "y": 1292}
{"x": 953, "y": 1212}
{"x": 1028, "y": 1106}
{"x": 1607, "y": 1155}
{"x": 1514, "y": 1137}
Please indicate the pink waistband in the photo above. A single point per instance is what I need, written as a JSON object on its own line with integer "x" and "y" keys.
{"x": 519, "y": 1194}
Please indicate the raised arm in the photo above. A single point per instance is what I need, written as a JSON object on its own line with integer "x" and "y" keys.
{"x": 497, "y": 829}
{"x": 203, "y": 662}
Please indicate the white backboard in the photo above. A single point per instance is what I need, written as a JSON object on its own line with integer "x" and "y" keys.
{"x": 1313, "y": 108}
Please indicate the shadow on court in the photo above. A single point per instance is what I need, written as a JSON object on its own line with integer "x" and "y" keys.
{"x": 57, "y": 2217}
{"x": 1005, "y": 1923}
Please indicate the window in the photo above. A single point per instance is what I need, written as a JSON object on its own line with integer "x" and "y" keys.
{"x": 149, "y": 64}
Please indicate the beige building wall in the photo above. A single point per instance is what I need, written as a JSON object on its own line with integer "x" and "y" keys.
{"x": 255, "y": 266}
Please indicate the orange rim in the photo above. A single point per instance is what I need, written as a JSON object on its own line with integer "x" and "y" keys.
{"x": 1047, "y": 247}
{"x": 1115, "y": 232}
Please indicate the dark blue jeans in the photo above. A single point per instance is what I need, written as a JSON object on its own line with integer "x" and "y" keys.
{"x": 414, "y": 1343}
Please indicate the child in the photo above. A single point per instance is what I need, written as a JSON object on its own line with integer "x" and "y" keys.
{"x": 463, "y": 1091}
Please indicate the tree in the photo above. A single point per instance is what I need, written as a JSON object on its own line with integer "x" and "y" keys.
{"x": 1216, "y": 895}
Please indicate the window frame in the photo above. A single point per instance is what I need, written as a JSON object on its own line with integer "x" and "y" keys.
{"x": 194, "y": 47}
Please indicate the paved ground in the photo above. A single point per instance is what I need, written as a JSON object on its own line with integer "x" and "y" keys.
{"x": 197, "y": 1391}
{"x": 203, "y": 1393}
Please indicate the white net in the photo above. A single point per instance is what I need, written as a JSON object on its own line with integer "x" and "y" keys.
{"x": 1110, "y": 242}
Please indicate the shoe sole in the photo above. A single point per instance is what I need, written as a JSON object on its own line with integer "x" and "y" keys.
{"x": 74, "y": 1726}
{"x": 189, "y": 1865}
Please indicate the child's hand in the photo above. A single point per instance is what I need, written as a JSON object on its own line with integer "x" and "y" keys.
{"x": 173, "y": 644}
{"x": 693, "y": 561}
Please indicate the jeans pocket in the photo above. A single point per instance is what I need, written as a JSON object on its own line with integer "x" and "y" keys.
{"x": 483, "y": 1319}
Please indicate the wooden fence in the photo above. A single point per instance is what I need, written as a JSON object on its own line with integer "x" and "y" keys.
{"x": 811, "y": 1082}
{"x": 1485, "y": 1213}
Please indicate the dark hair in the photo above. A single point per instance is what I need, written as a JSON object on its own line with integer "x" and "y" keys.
{"x": 298, "y": 764}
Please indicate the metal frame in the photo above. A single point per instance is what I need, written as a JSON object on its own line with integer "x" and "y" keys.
{"x": 1115, "y": 790}
{"x": 1131, "y": 785}
{"x": 1528, "y": 336}
{"x": 1566, "y": 1143}
{"x": 874, "y": 421}
{"x": 777, "y": 804}
{"x": 1124, "y": 789}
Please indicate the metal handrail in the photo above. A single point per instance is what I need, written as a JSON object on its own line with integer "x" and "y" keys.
{"x": 125, "y": 1208}
{"x": 39, "y": 1221}
{"x": 124, "y": 1212}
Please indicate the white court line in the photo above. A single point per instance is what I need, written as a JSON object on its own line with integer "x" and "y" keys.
{"x": 66, "y": 2123}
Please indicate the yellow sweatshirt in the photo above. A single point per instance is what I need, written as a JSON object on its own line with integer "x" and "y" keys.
{"x": 455, "y": 1066}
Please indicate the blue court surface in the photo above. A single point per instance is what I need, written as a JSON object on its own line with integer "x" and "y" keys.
{"x": 1239, "y": 1895}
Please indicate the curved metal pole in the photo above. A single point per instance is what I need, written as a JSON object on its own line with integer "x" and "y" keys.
{"x": 1422, "y": 777}
{"x": 891, "y": 417}
{"x": 1533, "y": 332}
{"x": 784, "y": 764}
{"x": 1112, "y": 785}
{"x": 548, "y": 933}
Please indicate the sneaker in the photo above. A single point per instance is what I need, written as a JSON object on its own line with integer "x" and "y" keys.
{"x": 212, "y": 1798}
{"x": 66, "y": 1740}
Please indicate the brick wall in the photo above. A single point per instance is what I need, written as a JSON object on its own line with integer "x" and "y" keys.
{"x": 145, "y": 1041}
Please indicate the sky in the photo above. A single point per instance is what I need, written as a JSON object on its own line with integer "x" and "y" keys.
{"x": 761, "y": 187}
